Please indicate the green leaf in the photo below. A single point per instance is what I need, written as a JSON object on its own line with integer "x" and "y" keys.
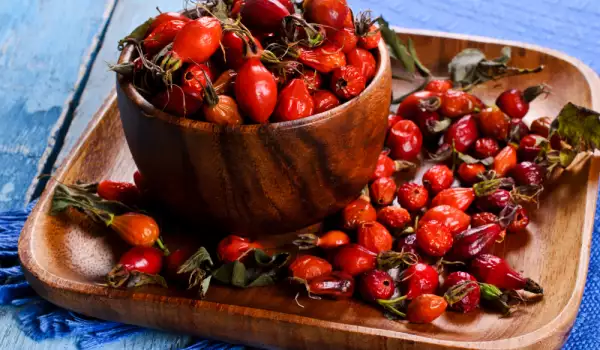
{"x": 198, "y": 266}
{"x": 138, "y": 34}
{"x": 398, "y": 50}
{"x": 263, "y": 270}
{"x": 579, "y": 127}
{"x": 463, "y": 67}
{"x": 413, "y": 52}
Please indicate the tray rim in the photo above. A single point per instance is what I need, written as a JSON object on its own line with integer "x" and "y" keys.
{"x": 562, "y": 322}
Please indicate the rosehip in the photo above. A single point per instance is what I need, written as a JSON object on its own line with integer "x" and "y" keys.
{"x": 438, "y": 85}
{"x": 494, "y": 202}
{"x": 308, "y": 267}
{"x": 374, "y": 236}
{"x": 528, "y": 173}
{"x": 486, "y": 147}
{"x": 456, "y": 104}
{"x": 337, "y": 285}
{"x": 347, "y": 82}
{"x": 518, "y": 130}
{"x": 330, "y": 240}
{"x": 434, "y": 238}
{"x": 530, "y": 147}
{"x": 505, "y": 161}
{"x": 457, "y": 197}
{"x": 520, "y": 221}
{"x": 405, "y": 140}
{"x": 484, "y": 218}
{"x": 383, "y": 190}
{"x": 469, "y": 173}
{"x": 412, "y": 196}
{"x": 355, "y": 259}
{"x": 491, "y": 269}
{"x": 419, "y": 279}
{"x": 376, "y": 284}
{"x": 462, "y": 134}
{"x": 426, "y": 308}
{"x": 394, "y": 218}
{"x": 470, "y": 301}
{"x": 455, "y": 220}
{"x": 438, "y": 178}
{"x": 515, "y": 103}
{"x": 408, "y": 244}
{"x": 411, "y": 105}
{"x": 493, "y": 123}
{"x": 357, "y": 212}
{"x": 232, "y": 248}
{"x": 393, "y": 119}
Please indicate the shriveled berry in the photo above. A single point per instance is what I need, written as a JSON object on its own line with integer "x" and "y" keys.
{"x": 438, "y": 178}
{"x": 520, "y": 221}
{"x": 528, "y": 173}
{"x": 484, "y": 218}
{"x": 374, "y": 236}
{"x": 412, "y": 196}
{"x": 486, "y": 147}
{"x": 434, "y": 238}
{"x": 469, "y": 173}
{"x": 383, "y": 190}
{"x": 376, "y": 284}
{"x": 394, "y": 218}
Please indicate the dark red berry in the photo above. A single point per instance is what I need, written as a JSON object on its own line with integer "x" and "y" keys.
{"x": 520, "y": 221}
{"x": 408, "y": 244}
{"x": 462, "y": 134}
{"x": 494, "y": 123}
{"x": 486, "y": 147}
{"x": 484, "y": 218}
{"x": 434, "y": 238}
{"x": 405, "y": 140}
{"x": 528, "y": 173}
{"x": 515, "y": 103}
{"x": 470, "y": 301}
{"x": 494, "y": 202}
{"x": 530, "y": 147}
{"x": 438, "y": 178}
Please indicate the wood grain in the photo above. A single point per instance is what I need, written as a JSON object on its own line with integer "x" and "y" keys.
{"x": 65, "y": 258}
{"x": 258, "y": 179}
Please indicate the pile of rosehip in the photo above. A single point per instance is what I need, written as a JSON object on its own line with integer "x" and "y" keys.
{"x": 254, "y": 61}
{"x": 422, "y": 247}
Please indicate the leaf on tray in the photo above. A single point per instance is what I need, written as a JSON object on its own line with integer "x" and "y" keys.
{"x": 198, "y": 266}
{"x": 471, "y": 67}
{"x": 264, "y": 270}
{"x": 579, "y": 127}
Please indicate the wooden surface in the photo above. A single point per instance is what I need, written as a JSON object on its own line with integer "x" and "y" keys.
{"x": 65, "y": 257}
{"x": 569, "y": 26}
{"x": 258, "y": 179}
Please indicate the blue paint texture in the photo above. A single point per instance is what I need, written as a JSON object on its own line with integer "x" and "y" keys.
{"x": 42, "y": 46}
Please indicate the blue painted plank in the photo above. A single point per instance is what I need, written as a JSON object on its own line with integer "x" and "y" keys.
{"x": 43, "y": 45}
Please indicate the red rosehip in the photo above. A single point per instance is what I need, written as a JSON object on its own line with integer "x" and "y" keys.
{"x": 412, "y": 196}
{"x": 434, "y": 238}
{"x": 528, "y": 173}
{"x": 376, "y": 284}
{"x": 383, "y": 190}
{"x": 394, "y": 218}
{"x": 469, "y": 173}
{"x": 470, "y": 301}
{"x": 405, "y": 140}
{"x": 462, "y": 134}
{"x": 374, "y": 236}
{"x": 438, "y": 178}
{"x": 486, "y": 147}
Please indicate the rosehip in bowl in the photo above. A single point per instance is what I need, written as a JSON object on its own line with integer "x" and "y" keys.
{"x": 419, "y": 279}
{"x": 530, "y": 147}
{"x": 324, "y": 100}
{"x": 484, "y": 218}
{"x": 354, "y": 259}
{"x": 347, "y": 82}
{"x": 357, "y": 212}
{"x": 505, "y": 161}
{"x": 520, "y": 221}
{"x": 383, "y": 190}
{"x": 494, "y": 202}
{"x": 426, "y": 308}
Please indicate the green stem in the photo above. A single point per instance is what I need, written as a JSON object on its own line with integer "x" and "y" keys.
{"x": 162, "y": 247}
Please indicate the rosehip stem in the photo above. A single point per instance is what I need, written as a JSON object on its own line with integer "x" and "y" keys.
{"x": 162, "y": 247}
{"x": 532, "y": 92}
{"x": 391, "y": 305}
{"x": 389, "y": 259}
{"x": 487, "y": 187}
{"x": 403, "y": 165}
{"x": 306, "y": 241}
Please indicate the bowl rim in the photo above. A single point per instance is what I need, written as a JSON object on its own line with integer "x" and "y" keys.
{"x": 149, "y": 110}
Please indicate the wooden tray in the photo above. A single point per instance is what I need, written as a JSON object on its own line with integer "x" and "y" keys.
{"x": 64, "y": 259}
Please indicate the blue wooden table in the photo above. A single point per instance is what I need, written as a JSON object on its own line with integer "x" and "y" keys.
{"x": 53, "y": 77}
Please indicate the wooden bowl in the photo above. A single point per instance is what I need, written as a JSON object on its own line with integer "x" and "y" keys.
{"x": 269, "y": 178}
{"x": 65, "y": 257}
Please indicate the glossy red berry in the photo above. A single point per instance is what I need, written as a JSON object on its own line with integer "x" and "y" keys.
{"x": 383, "y": 190}
{"x": 494, "y": 123}
{"x": 470, "y": 173}
{"x": 364, "y": 61}
{"x": 347, "y": 82}
{"x": 456, "y": 104}
{"x": 505, "y": 161}
{"x": 337, "y": 285}
{"x": 393, "y": 119}
{"x": 438, "y": 178}
{"x": 354, "y": 259}
{"x": 528, "y": 173}
{"x": 426, "y": 308}
{"x": 419, "y": 279}
{"x": 324, "y": 100}
{"x": 308, "y": 267}
{"x": 412, "y": 104}
{"x": 457, "y": 197}
{"x": 232, "y": 248}
{"x": 462, "y": 134}
{"x": 412, "y": 196}
{"x": 484, "y": 218}
{"x": 357, "y": 212}
{"x": 494, "y": 202}
{"x": 434, "y": 238}
{"x": 405, "y": 140}
{"x": 530, "y": 147}
{"x": 515, "y": 103}
{"x": 486, "y": 147}
{"x": 376, "y": 284}
{"x": 439, "y": 85}
{"x": 455, "y": 220}
{"x": 147, "y": 260}
{"x": 374, "y": 236}
{"x": 394, "y": 218}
